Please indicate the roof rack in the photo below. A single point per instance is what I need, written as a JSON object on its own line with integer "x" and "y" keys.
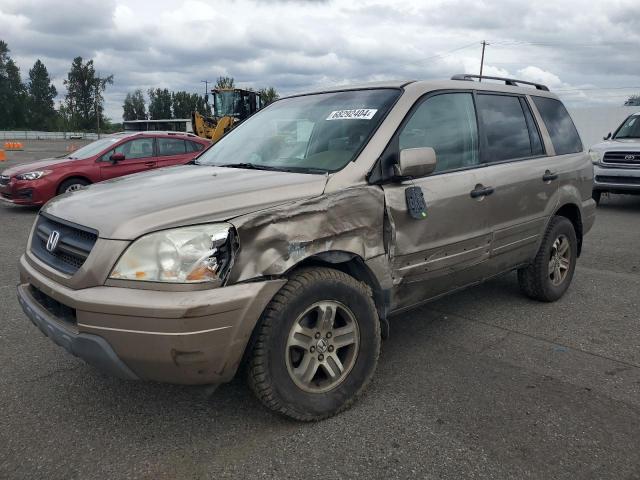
{"x": 512, "y": 82}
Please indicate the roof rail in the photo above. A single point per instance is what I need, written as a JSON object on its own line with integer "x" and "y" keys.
{"x": 512, "y": 82}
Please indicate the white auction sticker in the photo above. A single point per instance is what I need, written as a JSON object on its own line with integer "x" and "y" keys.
{"x": 356, "y": 114}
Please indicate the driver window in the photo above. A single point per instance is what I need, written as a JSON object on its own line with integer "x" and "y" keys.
{"x": 139, "y": 148}
{"x": 446, "y": 123}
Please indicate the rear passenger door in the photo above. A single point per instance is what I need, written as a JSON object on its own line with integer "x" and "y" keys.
{"x": 172, "y": 151}
{"x": 138, "y": 158}
{"x": 447, "y": 248}
{"x": 573, "y": 165}
{"x": 524, "y": 178}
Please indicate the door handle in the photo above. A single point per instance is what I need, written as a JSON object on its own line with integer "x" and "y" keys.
{"x": 549, "y": 176}
{"x": 149, "y": 164}
{"x": 481, "y": 191}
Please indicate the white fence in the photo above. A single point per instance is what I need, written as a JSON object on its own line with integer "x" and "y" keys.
{"x": 35, "y": 135}
{"x": 593, "y": 123}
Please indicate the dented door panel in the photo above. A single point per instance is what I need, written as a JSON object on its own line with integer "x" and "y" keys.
{"x": 437, "y": 253}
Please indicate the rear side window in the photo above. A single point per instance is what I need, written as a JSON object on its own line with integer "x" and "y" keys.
{"x": 506, "y": 128}
{"x": 446, "y": 123}
{"x": 193, "y": 146}
{"x": 564, "y": 135}
{"x": 171, "y": 146}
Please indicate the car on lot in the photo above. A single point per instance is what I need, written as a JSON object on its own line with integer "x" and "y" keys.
{"x": 109, "y": 157}
{"x": 616, "y": 160}
{"x": 287, "y": 245}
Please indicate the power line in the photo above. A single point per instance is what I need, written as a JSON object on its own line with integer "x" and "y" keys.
{"x": 594, "y": 88}
{"x": 511, "y": 43}
{"x": 439, "y": 55}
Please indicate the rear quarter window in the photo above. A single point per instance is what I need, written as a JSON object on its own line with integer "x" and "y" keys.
{"x": 193, "y": 146}
{"x": 562, "y": 131}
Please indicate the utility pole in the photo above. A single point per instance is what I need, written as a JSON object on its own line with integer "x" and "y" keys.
{"x": 96, "y": 103}
{"x": 484, "y": 44}
{"x": 206, "y": 89}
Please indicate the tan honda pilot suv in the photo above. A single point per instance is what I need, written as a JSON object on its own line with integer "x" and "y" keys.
{"x": 286, "y": 246}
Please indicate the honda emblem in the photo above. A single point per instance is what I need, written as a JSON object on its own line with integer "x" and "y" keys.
{"x": 52, "y": 241}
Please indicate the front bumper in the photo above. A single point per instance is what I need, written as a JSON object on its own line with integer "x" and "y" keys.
{"x": 24, "y": 192}
{"x": 192, "y": 337}
{"x": 616, "y": 179}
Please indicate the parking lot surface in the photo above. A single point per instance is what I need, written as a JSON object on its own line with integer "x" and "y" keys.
{"x": 481, "y": 384}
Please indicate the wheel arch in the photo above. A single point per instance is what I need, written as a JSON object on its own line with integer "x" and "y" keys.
{"x": 572, "y": 212}
{"x": 352, "y": 264}
{"x": 71, "y": 176}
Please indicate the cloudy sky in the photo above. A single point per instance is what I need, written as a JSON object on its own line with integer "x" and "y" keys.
{"x": 587, "y": 51}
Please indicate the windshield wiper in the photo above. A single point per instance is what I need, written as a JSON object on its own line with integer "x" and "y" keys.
{"x": 250, "y": 166}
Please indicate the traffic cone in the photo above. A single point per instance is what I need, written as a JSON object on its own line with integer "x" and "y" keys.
{"x": 3, "y": 156}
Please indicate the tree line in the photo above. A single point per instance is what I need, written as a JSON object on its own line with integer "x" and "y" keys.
{"x": 31, "y": 105}
{"x": 164, "y": 104}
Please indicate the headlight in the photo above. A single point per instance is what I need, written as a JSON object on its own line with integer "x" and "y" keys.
{"x": 202, "y": 253}
{"x": 33, "y": 175}
{"x": 596, "y": 157}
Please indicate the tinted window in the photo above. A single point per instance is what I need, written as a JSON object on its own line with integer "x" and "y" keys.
{"x": 446, "y": 123}
{"x": 193, "y": 146}
{"x": 505, "y": 127}
{"x": 171, "y": 146}
{"x": 564, "y": 135}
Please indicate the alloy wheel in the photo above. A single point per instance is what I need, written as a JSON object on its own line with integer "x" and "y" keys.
{"x": 322, "y": 346}
{"x": 560, "y": 260}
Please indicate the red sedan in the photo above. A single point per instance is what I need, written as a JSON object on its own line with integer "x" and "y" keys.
{"x": 113, "y": 156}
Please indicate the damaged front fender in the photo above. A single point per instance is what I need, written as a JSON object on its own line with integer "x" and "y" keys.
{"x": 275, "y": 240}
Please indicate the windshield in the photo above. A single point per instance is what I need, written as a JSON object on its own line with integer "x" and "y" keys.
{"x": 313, "y": 133}
{"x": 630, "y": 128}
{"x": 226, "y": 103}
{"x": 93, "y": 148}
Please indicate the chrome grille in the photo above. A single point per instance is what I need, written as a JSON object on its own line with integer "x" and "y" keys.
{"x": 622, "y": 158}
{"x": 73, "y": 246}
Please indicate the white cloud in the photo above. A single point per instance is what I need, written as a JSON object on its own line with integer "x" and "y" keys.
{"x": 296, "y": 45}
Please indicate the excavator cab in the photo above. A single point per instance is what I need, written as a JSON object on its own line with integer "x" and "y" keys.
{"x": 230, "y": 106}
{"x": 235, "y": 103}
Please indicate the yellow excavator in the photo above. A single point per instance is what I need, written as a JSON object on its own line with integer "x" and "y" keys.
{"x": 230, "y": 106}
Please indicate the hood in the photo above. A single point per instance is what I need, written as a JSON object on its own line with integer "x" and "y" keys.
{"x": 127, "y": 207}
{"x": 622, "y": 144}
{"x": 30, "y": 167}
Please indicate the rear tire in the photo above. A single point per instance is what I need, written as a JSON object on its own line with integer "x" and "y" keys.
{"x": 317, "y": 345}
{"x": 71, "y": 185}
{"x": 549, "y": 275}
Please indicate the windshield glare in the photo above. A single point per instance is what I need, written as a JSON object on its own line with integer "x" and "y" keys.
{"x": 94, "y": 148}
{"x": 630, "y": 128}
{"x": 313, "y": 133}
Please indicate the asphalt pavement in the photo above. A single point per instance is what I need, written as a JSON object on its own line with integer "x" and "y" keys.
{"x": 481, "y": 384}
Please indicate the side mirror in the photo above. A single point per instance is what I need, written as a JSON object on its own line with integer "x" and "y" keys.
{"x": 415, "y": 162}
{"x": 607, "y": 137}
{"x": 116, "y": 157}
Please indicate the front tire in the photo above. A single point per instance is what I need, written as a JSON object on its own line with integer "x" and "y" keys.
{"x": 549, "y": 275}
{"x": 71, "y": 185}
{"x": 317, "y": 345}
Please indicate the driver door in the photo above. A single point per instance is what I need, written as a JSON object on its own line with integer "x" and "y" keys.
{"x": 449, "y": 247}
{"x": 139, "y": 156}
